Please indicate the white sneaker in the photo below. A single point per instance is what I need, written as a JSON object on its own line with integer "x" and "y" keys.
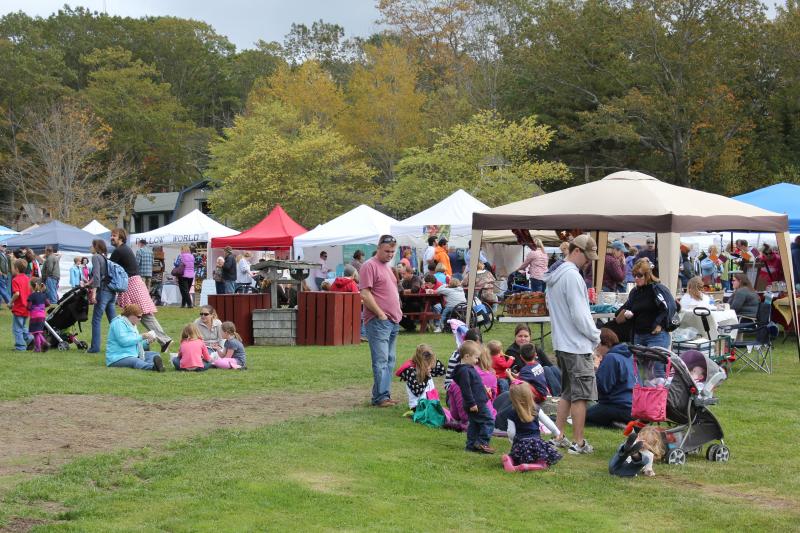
{"x": 563, "y": 442}
{"x": 437, "y": 329}
{"x": 577, "y": 449}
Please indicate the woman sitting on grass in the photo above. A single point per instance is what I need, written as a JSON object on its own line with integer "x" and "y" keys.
{"x": 209, "y": 326}
{"x": 193, "y": 354}
{"x": 125, "y": 348}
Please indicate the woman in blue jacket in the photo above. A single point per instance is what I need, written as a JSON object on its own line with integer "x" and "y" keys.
{"x": 125, "y": 347}
{"x": 615, "y": 381}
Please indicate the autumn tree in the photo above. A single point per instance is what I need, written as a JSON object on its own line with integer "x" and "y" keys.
{"x": 271, "y": 156}
{"x": 384, "y": 107}
{"x": 62, "y": 168}
{"x": 149, "y": 125}
{"x": 489, "y": 157}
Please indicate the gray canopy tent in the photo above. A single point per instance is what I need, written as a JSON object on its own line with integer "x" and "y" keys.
{"x": 632, "y": 201}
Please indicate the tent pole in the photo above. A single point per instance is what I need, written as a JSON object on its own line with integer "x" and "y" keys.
{"x": 474, "y": 257}
{"x": 599, "y": 270}
{"x": 786, "y": 262}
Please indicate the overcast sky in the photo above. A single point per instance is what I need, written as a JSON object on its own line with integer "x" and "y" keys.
{"x": 242, "y": 21}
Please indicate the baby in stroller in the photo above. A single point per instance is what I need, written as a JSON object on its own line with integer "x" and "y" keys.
{"x": 689, "y": 394}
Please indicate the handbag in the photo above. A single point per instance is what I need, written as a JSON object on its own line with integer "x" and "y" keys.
{"x": 649, "y": 403}
{"x": 178, "y": 270}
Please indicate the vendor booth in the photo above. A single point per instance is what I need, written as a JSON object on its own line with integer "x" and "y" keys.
{"x": 358, "y": 229}
{"x": 196, "y": 228}
{"x": 276, "y": 231}
{"x": 781, "y": 198}
{"x": 68, "y": 241}
{"x": 667, "y": 210}
{"x": 452, "y": 218}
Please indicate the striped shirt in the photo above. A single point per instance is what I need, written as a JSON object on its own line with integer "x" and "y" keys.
{"x": 452, "y": 363}
{"x": 144, "y": 259}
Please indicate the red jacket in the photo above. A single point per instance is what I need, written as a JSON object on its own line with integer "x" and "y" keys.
{"x": 344, "y": 285}
{"x": 500, "y": 363}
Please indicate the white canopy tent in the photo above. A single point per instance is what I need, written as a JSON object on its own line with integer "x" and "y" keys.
{"x": 362, "y": 225}
{"x": 667, "y": 210}
{"x": 95, "y": 228}
{"x": 454, "y": 211}
{"x": 194, "y": 227}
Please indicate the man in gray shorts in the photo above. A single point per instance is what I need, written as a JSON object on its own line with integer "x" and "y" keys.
{"x": 574, "y": 339}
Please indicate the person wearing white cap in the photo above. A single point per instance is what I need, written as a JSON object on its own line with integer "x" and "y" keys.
{"x": 574, "y": 339}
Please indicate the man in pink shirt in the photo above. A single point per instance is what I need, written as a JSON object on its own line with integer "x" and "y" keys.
{"x": 382, "y": 315}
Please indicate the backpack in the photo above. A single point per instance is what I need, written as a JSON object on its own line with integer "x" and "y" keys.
{"x": 116, "y": 279}
{"x": 666, "y": 299}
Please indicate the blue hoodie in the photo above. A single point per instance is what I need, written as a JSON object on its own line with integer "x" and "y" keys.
{"x": 615, "y": 377}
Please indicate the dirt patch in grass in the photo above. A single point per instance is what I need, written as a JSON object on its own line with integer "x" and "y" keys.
{"x": 757, "y": 497}
{"x": 22, "y": 525}
{"x": 322, "y": 482}
{"x": 44, "y": 432}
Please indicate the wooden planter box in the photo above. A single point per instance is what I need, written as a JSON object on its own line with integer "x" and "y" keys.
{"x": 275, "y": 327}
{"x": 328, "y": 318}
{"x": 238, "y": 308}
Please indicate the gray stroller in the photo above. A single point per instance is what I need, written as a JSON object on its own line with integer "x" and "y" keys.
{"x": 692, "y": 424}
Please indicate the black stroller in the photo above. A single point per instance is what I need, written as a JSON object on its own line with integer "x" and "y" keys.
{"x": 72, "y": 308}
{"x": 687, "y": 406}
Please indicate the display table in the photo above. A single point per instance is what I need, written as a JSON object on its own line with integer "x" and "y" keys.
{"x": 238, "y": 308}
{"x": 170, "y": 294}
{"x": 722, "y": 317}
{"x": 542, "y": 320}
{"x": 328, "y": 318}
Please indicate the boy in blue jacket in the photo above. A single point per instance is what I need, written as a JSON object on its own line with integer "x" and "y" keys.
{"x": 473, "y": 392}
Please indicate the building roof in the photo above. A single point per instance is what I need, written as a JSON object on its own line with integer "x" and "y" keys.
{"x": 156, "y": 202}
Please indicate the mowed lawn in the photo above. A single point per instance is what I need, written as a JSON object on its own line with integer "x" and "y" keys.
{"x": 370, "y": 469}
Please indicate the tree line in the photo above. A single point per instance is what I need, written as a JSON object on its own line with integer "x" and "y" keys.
{"x": 504, "y": 98}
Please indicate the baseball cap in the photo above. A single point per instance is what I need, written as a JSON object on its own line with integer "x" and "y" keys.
{"x": 587, "y": 244}
{"x": 617, "y": 245}
{"x": 442, "y": 240}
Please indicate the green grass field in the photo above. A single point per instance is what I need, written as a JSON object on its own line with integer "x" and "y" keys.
{"x": 370, "y": 469}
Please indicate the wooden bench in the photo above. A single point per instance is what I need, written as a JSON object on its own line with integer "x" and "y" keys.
{"x": 427, "y": 313}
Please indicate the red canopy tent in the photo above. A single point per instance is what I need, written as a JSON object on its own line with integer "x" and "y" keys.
{"x": 276, "y": 230}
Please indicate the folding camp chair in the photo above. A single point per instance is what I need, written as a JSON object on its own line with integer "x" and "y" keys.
{"x": 755, "y": 352}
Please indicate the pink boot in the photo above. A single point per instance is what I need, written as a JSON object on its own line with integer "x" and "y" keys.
{"x": 508, "y": 464}
{"x": 528, "y": 467}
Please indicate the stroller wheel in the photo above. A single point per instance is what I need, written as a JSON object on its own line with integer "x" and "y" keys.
{"x": 676, "y": 457}
{"x": 81, "y": 345}
{"x": 63, "y": 346}
{"x": 721, "y": 454}
{"x": 711, "y": 452}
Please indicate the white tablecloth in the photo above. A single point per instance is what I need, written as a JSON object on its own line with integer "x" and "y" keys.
{"x": 170, "y": 295}
{"x": 722, "y": 318}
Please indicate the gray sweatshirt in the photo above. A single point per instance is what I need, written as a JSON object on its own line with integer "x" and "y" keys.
{"x": 572, "y": 326}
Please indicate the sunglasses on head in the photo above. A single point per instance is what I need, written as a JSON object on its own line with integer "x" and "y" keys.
{"x": 388, "y": 239}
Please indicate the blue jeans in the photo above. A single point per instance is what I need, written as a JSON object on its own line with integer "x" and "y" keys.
{"x": 536, "y": 285}
{"x": 19, "y": 326}
{"x": 135, "y": 362}
{"x": 445, "y": 313}
{"x": 662, "y": 340}
{"x": 105, "y": 304}
{"x": 5, "y": 296}
{"x": 177, "y": 364}
{"x": 52, "y": 289}
{"x": 382, "y": 337}
{"x": 230, "y": 287}
{"x": 480, "y": 427}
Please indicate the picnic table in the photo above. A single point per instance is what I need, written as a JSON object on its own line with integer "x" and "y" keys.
{"x": 426, "y": 300}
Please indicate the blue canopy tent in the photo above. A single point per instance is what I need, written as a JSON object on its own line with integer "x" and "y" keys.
{"x": 780, "y": 198}
{"x": 7, "y": 233}
{"x": 57, "y": 234}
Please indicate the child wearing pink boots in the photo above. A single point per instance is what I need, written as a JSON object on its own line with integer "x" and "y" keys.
{"x": 528, "y": 450}
{"x": 232, "y": 356}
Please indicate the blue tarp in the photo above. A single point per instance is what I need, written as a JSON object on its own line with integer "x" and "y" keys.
{"x": 781, "y": 198}
{"x": 7, "y": 233}
{"x": 62, "y": 236}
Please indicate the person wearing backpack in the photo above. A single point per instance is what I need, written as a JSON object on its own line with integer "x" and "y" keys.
{"x": 136, "y": 292}
{"x": 103, "y": 296}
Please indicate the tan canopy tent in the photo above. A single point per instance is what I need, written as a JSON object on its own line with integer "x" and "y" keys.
{"x": 632, "y": 201}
